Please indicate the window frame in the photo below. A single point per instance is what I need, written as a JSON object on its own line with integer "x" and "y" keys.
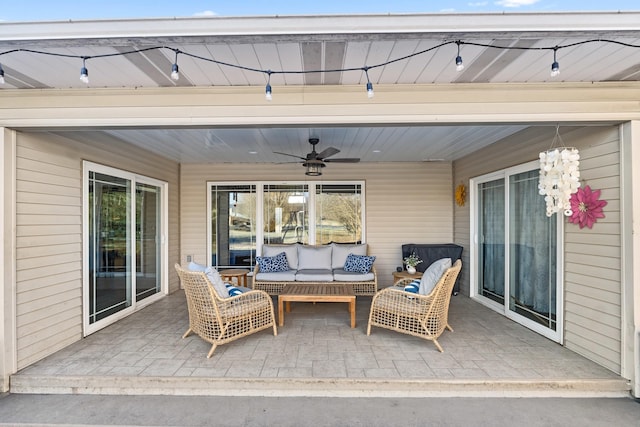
{"x": 259, "y": 214}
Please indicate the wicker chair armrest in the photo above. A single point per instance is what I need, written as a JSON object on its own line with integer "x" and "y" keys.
{"x": 392, "y": 297}
{"x": 244, "y": 303}
{"x": 403, "y": 281}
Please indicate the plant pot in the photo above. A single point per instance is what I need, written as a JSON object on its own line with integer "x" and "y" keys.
{"x": 411, "y": 270}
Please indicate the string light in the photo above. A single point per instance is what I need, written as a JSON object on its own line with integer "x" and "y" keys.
{"x": 267, "y": 90}
{"x": 370, "y": 93}
{"x": 459, "y": 63}
{"x": 555, "y": 67}
{"x": 175, "y": 70}
{"x": 84, "y": 75}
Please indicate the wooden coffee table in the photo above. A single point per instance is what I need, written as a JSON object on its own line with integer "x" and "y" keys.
{"x": 313, "y": 292}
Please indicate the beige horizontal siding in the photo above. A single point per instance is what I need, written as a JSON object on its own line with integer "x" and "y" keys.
{"x": 49, "y": 232}
{"x": 592, "y": 283}
{"x": 405, "y": 203}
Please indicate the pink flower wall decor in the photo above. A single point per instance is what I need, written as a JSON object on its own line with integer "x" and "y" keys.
{"x": 586, "y": 207}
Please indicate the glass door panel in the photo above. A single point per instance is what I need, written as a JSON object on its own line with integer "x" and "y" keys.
{"x": 148, "y": 238}
{"x": 109, "y": 245}
{"x": 532, "y": 252}
{"x": 491, "y": 240}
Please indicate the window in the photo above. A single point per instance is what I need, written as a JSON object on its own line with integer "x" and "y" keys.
{"x": 338, "y": 213}
{"x": 242, "y": 214}
{"x": 233, "y": 225}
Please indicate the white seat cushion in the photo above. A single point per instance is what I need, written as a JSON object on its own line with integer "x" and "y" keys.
{"x": 340, "y": 275}
{"x": 282, "y": 276}
{"x": 314, "y": 275}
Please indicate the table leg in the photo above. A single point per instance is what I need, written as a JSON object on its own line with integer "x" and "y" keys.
{"x": 280, "y": 313}
{"x": 288, "y": 306}
{"x": 352, "y": 309}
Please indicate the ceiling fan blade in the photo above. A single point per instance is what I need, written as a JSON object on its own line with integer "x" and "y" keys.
{"x": 327, "y": 152}
{"x": 343, "y": 160}
{"x": 290, "y": 155}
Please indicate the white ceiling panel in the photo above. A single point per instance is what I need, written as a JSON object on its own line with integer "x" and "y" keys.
{"x": 311, "y": 43}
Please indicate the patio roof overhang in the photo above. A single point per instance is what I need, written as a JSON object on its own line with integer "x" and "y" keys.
{"x": 419, "y": 98}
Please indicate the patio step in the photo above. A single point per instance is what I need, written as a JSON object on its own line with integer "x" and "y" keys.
{"x": 325, "y": 387}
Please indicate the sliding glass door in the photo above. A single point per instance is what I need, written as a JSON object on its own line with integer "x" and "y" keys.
{"x": 123, "y": 237}
{"x": 516, "y": 253}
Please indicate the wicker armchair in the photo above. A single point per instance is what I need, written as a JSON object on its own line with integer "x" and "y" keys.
{"x": 424, "y": 316}
{"x": 219, "y": 321}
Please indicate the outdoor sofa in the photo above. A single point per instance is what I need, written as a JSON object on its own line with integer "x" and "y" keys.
{"x": 330, "y": 263}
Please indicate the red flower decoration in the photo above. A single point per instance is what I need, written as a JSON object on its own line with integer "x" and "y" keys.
{"x": 586, "y": 207}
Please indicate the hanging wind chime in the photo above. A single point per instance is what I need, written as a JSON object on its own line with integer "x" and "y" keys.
{"x": 559, "y": 175}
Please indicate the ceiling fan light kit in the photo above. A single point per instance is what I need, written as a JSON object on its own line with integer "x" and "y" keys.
{"x": 314, "y": 161}
{"x": 314, "y": 167}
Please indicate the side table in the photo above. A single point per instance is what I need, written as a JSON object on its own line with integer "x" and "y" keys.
{"x": 239, "y": 274}
{"x": 397, "y": 275}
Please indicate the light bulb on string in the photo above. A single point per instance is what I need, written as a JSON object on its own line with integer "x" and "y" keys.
{"x": 84, "y": 73}
{"x": 175, "y": 70}
{"x": 459, "y": 63}
{"x": 370, "y": 93}
{"x": 267, "y": 91}
{"x": 555, "y": 67}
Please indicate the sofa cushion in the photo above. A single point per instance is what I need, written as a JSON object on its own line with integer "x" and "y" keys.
{"x": 273, "y": 264}
{"x": 432, "y": 274}
{"x": 217, "y": 282}
{"x": 359, "y": 263}
{"x": 290, "y": 250}
{"x": 340, "y": 252}
{"x": 314, "y": 275}
{"x": 339, "y": 275}
{"x": 314, "y": 257}
{"x": 283, "y": 276}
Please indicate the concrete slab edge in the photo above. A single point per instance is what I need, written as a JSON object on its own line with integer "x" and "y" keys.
{"x": 329, "y": 387}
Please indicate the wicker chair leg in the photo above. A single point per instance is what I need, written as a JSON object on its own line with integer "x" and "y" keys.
{"x": 213, "y": 348}
{"x": 449, "y": 327}
{"x": 438, "y": 345}
{"x": 275, "y": 330}
{"x": 186, "y": 334}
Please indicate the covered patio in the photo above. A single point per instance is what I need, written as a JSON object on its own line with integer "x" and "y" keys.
{"x": 316, "y": 353}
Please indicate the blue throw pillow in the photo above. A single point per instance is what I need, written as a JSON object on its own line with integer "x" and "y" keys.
{"x": 412, "y": 287}
{"x": 273, "y": 264}
{"x": 359, "y": 263}
{"x": 233, "y": 291}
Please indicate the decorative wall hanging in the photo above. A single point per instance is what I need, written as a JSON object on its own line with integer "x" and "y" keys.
{"x": 586, "y": 207}
{"x": 559, "y": 175}
{"x": 461, "y": 194}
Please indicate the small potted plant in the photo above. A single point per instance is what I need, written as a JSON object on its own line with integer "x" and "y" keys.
{"x": 411, "y": 261}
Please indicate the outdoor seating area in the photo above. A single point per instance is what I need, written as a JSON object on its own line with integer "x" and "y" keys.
{"x": 315, "y": 353}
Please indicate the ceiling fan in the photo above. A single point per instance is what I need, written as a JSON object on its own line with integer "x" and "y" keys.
{"x": 314, "y": 162}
